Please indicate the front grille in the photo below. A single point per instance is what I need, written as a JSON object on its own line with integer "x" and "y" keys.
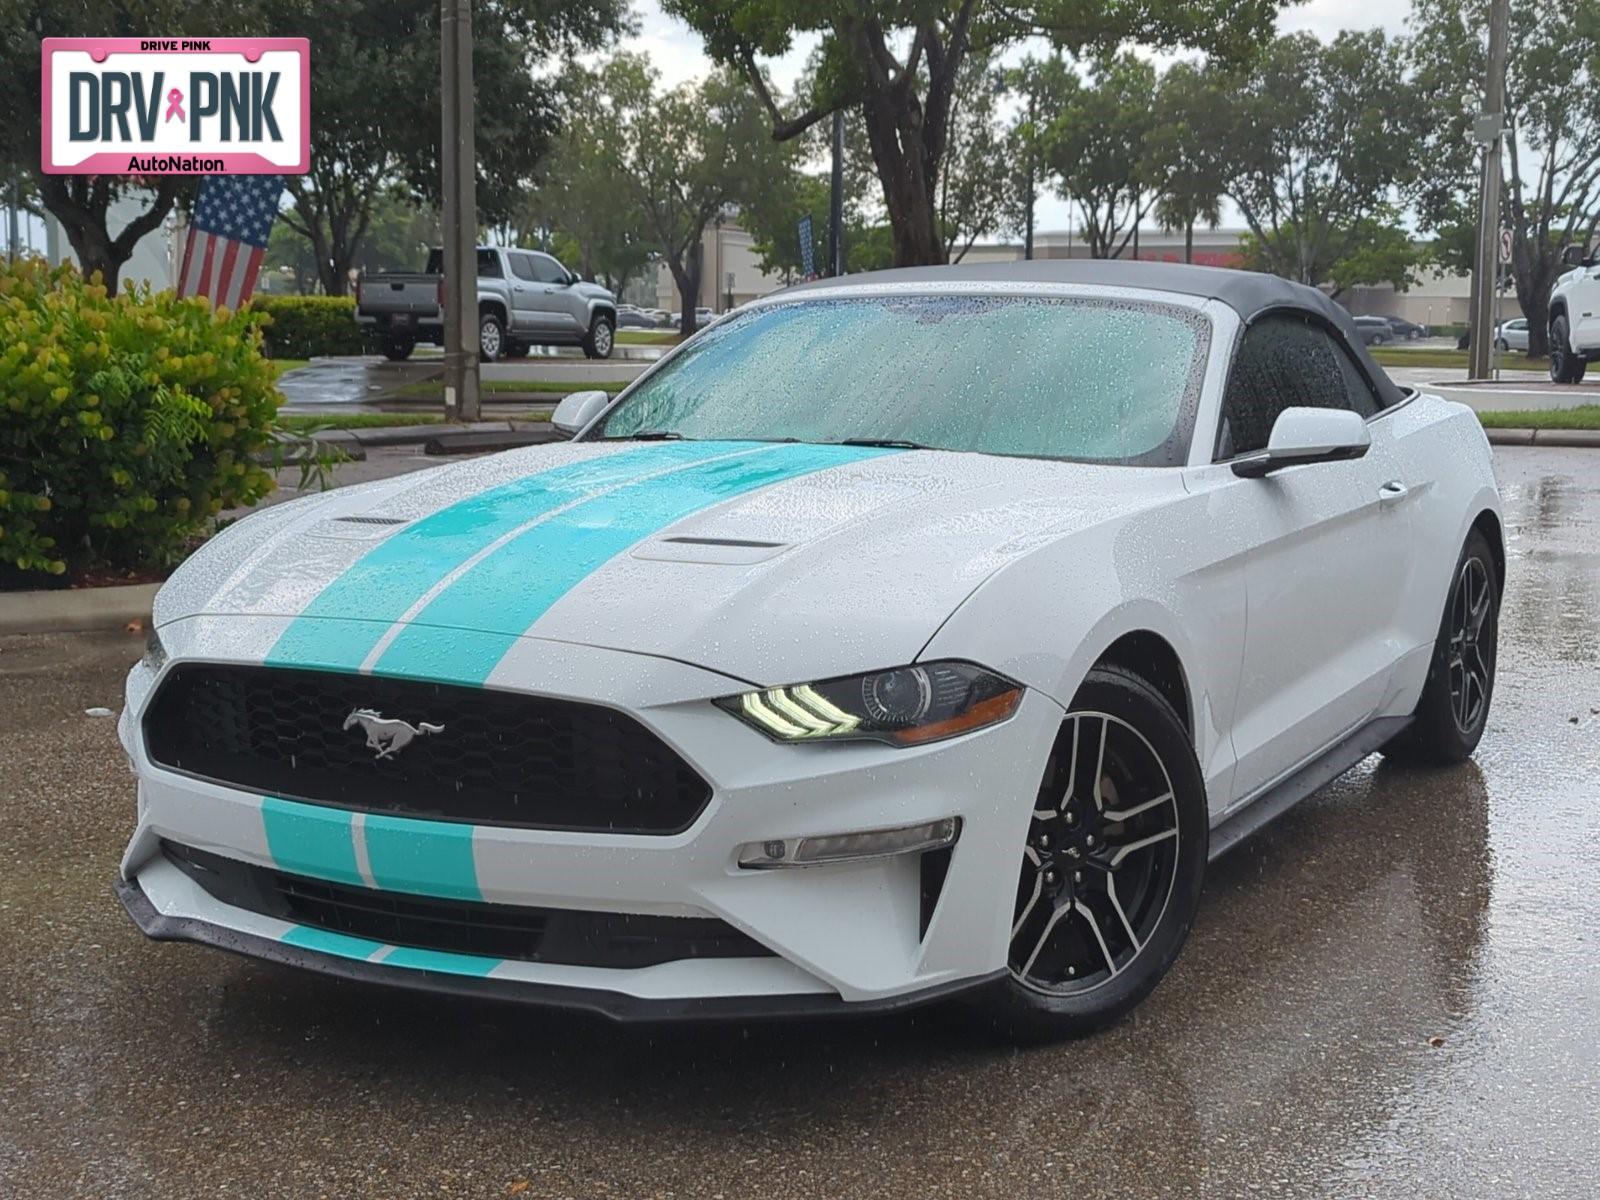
{"x": 501, "y": 758}
{"x": 542, "y": 935}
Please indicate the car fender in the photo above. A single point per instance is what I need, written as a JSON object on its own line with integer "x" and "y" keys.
{"x": 1045, "y": 619}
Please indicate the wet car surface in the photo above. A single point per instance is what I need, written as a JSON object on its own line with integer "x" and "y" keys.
{"x": 1395, "y": 990}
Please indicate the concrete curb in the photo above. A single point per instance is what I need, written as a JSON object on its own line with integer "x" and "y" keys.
{"x": 479, "y": 443}
{"x": 74, "y": 610}
{"x": 1572, "y": 438}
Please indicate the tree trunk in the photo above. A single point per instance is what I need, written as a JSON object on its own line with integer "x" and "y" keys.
{"x": 1188, "y": 240}
{"x": 685, "y": 270}
{"x": 1533, "y": 283}
{"x": 81, "y": 203}
{"x": 910, "y": 183}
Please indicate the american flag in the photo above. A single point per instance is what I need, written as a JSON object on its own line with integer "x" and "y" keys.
{"x": 228, "y": 237}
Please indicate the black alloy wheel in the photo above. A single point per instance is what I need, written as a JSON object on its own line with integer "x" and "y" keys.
{"x": 1100, "y": 862}
{"x": 1112, "y": 865}
{"x": 1471, "y": 658}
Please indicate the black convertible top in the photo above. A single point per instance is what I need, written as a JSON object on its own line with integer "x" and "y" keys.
{"x": 1251, "y": 294}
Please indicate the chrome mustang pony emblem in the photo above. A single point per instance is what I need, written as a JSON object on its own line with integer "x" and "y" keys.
{"x": 388, "y": 735}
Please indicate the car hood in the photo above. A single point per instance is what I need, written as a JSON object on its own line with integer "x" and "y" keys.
{"x": 765, "y": 562}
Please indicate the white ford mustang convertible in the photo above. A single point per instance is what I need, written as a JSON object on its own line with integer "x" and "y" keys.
{"x": 906, "y": 636}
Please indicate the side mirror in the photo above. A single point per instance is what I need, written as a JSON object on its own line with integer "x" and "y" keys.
{"x": 578, "y": 409}
{"x": 1308, "y": 435}
{"x": 1574, "y": 256}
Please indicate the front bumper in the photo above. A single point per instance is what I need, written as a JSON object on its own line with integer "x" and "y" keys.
{"x": 847, "y": 937}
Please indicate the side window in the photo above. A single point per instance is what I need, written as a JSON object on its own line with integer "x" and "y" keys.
{"x": 1286, "y": 362}
{"x": 547, "y": 269}
{"x": 489, "y": 264}
{"x": 522, "y": 267}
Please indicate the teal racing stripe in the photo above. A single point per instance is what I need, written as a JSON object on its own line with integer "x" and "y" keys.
{"x": 440, "y": 960}
{"x": 428, "y": 858}
{"x": 383, "y": 584}
{"x": 309, "y": 839}
{"x": 507, "y": 591}
{"x": 329, "y": 942}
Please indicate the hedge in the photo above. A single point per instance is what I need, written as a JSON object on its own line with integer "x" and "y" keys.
{"x": 126, "y": 422}
{"x": 309, "y": 326}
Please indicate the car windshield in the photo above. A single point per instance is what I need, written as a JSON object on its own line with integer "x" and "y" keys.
{"x": 1095, "y": 380}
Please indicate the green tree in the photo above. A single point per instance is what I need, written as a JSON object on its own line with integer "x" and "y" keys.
{"x": 1094, "y": 147}
{"x": 1184, "y": 164}
{"x": 83, "y": 203}
{"x": 375, "y": 107}
{"x": 898, "y": 66}
{"x": 688, "y": 156}
{"x": 1041, "y": 86}
{"x": 1551, "y": 161}
{"x": 1316, "y": 144}
{"x": 577, "y": 192}
{"x": 976, "y": 187}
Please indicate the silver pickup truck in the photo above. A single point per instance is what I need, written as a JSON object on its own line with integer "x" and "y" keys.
{"x": 525, "y": 298}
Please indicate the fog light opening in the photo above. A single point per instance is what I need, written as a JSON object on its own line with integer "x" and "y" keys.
{"x": 850, "y": 847}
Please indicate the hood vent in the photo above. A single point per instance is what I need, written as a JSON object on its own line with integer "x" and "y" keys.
{"x": 356, "y": 528}
{"x": 714, "y": 551}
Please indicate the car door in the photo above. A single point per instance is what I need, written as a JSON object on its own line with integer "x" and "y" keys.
{"x": 1583, "y": 307}
{"x": 1321, "y": 548}
{"x": 564, "y": 308}
{"x": 527, "y": 293}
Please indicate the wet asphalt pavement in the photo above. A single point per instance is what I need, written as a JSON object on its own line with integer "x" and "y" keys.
{"x": 1394, "y": 991}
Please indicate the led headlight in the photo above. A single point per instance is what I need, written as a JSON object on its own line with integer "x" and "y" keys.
{"x": 906, "y": 706}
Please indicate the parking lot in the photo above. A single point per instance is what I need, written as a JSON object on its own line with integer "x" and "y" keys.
{"x": 1395, "y": 991}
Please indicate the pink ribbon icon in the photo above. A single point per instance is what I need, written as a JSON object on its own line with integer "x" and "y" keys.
{"x": 175, "y": 105}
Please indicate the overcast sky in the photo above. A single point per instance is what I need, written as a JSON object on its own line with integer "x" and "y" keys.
{"x": 677, "y": 52}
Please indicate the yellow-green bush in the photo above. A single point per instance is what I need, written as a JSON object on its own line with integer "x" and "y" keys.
{"x": 309, "y": 326}
{"x": 126, "y": 422}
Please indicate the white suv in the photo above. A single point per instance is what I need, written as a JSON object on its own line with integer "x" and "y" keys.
{"x": 1575, "y": 317}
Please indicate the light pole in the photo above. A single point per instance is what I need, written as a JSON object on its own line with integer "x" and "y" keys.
{"x": 1487, "y": 132}
{"x": 458, "y": 159}
{"x": 836, "y": 198}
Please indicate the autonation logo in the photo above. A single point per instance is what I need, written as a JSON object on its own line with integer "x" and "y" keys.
{"x": 163, "y": 106}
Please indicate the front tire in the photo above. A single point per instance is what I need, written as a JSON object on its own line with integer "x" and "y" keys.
{"x": 1454, "y": 709}
{"x": 1565, "y": 366}
{"x": 491, "y": 337}
{"x": 1112, "y": 869}
{"x": 597, "y": 343}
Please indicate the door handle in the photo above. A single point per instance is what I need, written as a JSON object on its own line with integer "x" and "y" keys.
{"x": 519, "y": 288}
{"x": 1392, "y": 492}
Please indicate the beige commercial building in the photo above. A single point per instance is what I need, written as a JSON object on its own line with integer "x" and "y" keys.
{"x": 732, "y": 273}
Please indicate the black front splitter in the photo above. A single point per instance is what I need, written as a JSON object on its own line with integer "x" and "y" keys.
{"x": 614, "y": 1006}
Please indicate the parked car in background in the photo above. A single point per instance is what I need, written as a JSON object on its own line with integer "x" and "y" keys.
{"x": 524, "y": 298}
{"x": 631, "y": 316}
{"x": 1374, "y": 331}
{"x": 1512, "y": 335}
{"x": 1575, "y": 316}
{"x": 1408, "y": 330}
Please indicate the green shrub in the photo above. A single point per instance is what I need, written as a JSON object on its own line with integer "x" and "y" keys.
{"x": 309, "y": 326}
{"x": 126, "y": 422}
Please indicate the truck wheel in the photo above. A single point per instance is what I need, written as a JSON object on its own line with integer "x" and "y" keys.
{"x": 597, "y": 342}
{"x": 398, "y": 349}
{"x": 491, "y": 337}
{"x": 1565, "y": 366}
